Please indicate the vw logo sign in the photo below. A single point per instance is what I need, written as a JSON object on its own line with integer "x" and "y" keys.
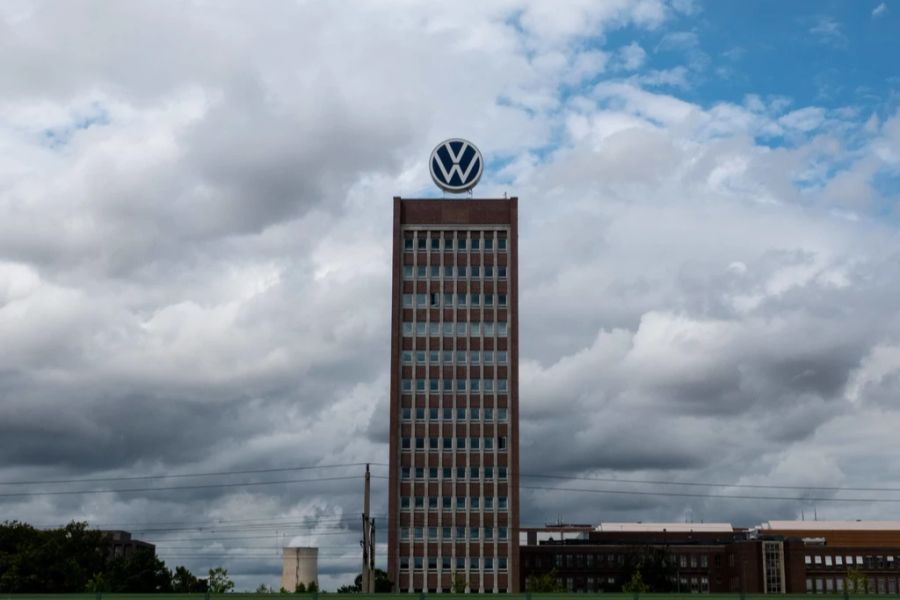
{"x": 456, "y": 165}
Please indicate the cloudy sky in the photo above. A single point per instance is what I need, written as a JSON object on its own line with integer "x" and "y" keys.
{"x": 195, "y": 215}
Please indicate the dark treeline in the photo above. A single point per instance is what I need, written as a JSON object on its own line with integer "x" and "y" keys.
{"x": 77, "y": 559}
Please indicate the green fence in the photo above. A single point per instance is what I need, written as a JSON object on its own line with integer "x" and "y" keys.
{"x": 424, "y": 596}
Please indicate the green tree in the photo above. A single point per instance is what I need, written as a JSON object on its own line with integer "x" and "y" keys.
{"x": 185, "y": 582}
{"x": 141, "y": 572}
{"x": 544, "y": 582}
{"x": 264, "y": 589}
{"x": 59, "y": 560}
{"x": 458, "y": 583}
{"x": 857, "y": 582}
{"x": 383, "y": 584}
{"x": 656, "y": 567}
{"x": 219, "y": 582}
{"x": 300, "y": 588}
{"x": 636, "y": 585}
{"x": 97, "y": 583}
{"x": 312, "y": 587}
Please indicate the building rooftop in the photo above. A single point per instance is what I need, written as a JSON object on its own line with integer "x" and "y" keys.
{"x": 830, "y": 525}
{"x": 660, "y": 527}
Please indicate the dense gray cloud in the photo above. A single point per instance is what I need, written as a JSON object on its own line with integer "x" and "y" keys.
{"x": 195, "y": 212}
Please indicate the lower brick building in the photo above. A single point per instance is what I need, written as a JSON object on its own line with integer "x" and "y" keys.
{"x": 774, "y": 558}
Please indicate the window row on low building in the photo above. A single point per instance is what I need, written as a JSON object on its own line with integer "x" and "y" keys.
{"x": 460, "y": 357}
{"x": 454, "y": 385}
{"x": 450, "y": 473}
{"x": 500, "y": 415}
{"x": 454, "y": 443}
{"x": 473, "y": 563}
{"x": 476, "y": 241}
{"x": 864, "y": 585}
{"x": 840, "y": 560}
{"x": 454, "y": 328}
{"x": 457, "y": 502}
{"x": 454, "y": 534}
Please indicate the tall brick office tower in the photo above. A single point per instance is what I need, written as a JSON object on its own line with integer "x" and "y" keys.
{"x": 454, "y": 464}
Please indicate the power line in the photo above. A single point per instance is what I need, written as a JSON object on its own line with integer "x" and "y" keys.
{"x": 279, "y": 525}
{"x": 723, "y": 496}
{"x": 255, "y": 537}
{"x": 229, "y": 521}
{"x": 181, "y": 475}
{"x": 219, "y": 524}
{"x": 711, "y": 484}
{"x": 180, "y": 487}
{"x": 242, "y": 547}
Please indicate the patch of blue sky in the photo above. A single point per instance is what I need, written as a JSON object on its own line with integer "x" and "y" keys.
{"x": 95, "y": 115}
{"x": 824, "y": 53}
{"x": 820, "y": 171}
{"x": 887, "y": 183}
{"x": 818, "y": 53}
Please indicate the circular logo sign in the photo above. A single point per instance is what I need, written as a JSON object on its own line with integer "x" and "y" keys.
{"x": 456, "y": 165}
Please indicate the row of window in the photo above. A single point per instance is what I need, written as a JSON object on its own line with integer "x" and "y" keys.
{"x": 455, "y": 385}
{"x": 411, "y": 272}
{"x": 863, "y": 585}
{"x": 446, "y": 502}
{"x": 461, "y": 243}
{"x": 476, "y": 357}
{"x": 449, "y": 328}
{"x": 868, "y": 562}
{"x": 446, "y": 443}
{"x": 446, "y": 533}
{"x": 693, "y": 561}
{"x": 448, "y": 299}
{"x": 474, "y": 563}
{"x": 447, "y": 473}
{"x": 501, "y": 415}
{"x": 473, "y": 589}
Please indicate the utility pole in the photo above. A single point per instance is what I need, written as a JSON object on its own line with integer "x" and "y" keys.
{"x": 367, "y": 586}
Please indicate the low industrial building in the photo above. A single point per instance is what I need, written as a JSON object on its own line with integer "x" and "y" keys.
{"x": 773, "y": 558}
{"x": 122, "y": 545}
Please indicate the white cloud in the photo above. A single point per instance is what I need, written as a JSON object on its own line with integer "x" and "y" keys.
{"x": 879, "y": 11}
{"x": 199, "y": 261}
{"x": 632, "y": 56}
{"x": 828, "y": 30}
